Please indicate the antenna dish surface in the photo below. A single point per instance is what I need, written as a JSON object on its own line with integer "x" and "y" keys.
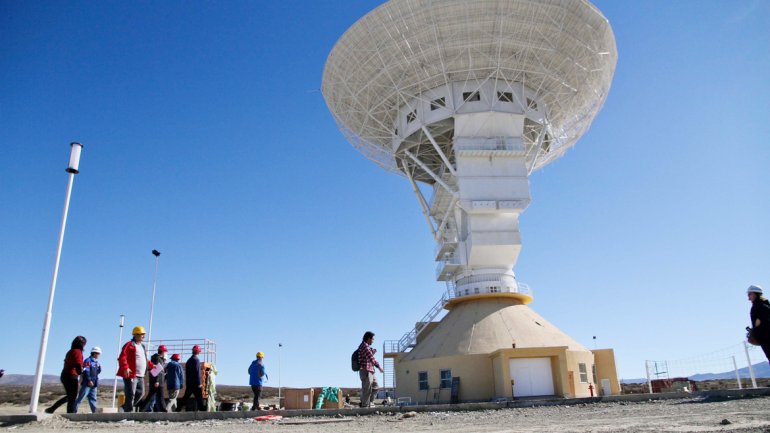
{"x": 562, "y": 50}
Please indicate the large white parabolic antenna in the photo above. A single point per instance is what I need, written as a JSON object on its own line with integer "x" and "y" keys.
{"x": 470, "y": 97}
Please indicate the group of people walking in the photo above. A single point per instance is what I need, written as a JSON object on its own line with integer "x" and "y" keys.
{"x": 133, "y": 365}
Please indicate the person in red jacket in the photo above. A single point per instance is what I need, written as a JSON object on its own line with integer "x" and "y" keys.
{"x": 132, "y": 365}
{"x": 73, "y": 366}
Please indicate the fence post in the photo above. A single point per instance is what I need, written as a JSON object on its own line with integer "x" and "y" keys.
{"x": 737, "y": 375}
{"x": 751, "y": 369}
{"x": 647, "y": 371}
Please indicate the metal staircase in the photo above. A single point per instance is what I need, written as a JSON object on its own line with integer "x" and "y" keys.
{"x": 408, "y": 340}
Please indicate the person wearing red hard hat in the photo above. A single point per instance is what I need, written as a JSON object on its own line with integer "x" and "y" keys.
{"x": 154, "y": 402}
{"x": 132, "y": 365}
{"x": 174, "y": 381}
{"x": 193, "y": 384}
{"x": 760, "y": 318}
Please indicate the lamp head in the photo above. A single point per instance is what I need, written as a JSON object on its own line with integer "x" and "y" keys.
{"x": 74, "y": 157}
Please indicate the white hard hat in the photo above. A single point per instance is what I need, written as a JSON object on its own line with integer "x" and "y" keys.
{"x": 96, "y": 349}
{"x": 754, "y": 289}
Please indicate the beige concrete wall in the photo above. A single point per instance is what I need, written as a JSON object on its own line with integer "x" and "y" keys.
{"x": 429, "y": 327}
{"x": 498, "y": 376}
{"x": 485, "y": 377}
{"x": 605, "y": 368}
{"x": 475, "y": 373}
{"x": 575, "y": 357}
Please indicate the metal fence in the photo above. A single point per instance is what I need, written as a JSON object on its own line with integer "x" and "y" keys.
{"x": 184, "y": 347}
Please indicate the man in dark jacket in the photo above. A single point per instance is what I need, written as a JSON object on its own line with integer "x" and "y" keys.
{"x": 174, "y": 380}
{"x": 193, "y": 384}
{"x": 760, "y": 318}
{"x": 154, "y": 401}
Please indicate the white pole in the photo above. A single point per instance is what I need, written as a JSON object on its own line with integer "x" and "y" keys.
{"x": 737, "y": 375}
{"x": 155, "y": 253}
{"x": 751, "y": 369}
{"x": 72, "y": 169}
{"x": 279, "y": 374}
{"x": 120, "y": 341}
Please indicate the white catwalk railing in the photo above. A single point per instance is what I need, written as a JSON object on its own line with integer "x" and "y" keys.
{"x": 407, "y": 340}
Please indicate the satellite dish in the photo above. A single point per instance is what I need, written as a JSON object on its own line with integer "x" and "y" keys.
{"x": 470, "y": 97}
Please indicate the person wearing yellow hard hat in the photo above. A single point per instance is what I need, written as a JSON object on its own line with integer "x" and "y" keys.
{"x": 257, "y": 376}
{"x": 132, "y": 365}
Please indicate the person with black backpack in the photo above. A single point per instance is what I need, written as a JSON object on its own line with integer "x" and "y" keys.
{"x": 760, "y": 318}
{"x": 366, "y": 364}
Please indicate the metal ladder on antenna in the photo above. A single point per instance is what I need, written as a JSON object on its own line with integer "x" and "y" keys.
{"x": 389, "y": 376}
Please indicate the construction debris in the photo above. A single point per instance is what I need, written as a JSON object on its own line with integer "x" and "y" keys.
{"x": 316, "y": 421}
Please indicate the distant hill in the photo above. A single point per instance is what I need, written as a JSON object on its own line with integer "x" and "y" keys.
{"x": 26, "y": 379}
{"x": 630, "y": 381}
{"x": 761, "y": 370}
{"x": 48, "y": 379}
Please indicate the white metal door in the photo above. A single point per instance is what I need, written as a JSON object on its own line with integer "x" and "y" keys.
{"x": 606, "y": 387}
{"x": 531, "y": 376}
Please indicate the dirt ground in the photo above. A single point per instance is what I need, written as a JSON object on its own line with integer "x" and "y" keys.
{"x": 685, "y": 415}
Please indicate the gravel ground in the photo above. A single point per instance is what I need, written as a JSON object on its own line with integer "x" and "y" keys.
{"x": 686, "y": 415}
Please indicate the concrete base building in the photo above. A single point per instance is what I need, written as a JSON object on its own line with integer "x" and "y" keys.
{"x": 499, "y": 347}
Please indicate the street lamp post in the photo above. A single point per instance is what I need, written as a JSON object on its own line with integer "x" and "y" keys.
{"x": 155, "y": 253}
{"x": 279, "y": 374}
{"x": 72, "y": 169}
{"x": 120, "y": 340}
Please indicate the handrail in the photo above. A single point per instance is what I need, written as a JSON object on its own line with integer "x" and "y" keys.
{"x": 408, "y": 339}
{"x": 448, "y": 237}
{"x": 449, "y": 259}
{"x": 184, "y": 345}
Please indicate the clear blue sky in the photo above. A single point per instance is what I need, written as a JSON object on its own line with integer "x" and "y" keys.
{"x": 206, "y": 137}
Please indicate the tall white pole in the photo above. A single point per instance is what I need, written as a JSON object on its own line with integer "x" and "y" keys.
{"x": 279, "y": 374}
{"x": 120, "y": 341}
{"x": 155, "y": 253}
{"x": 72, "y": 169}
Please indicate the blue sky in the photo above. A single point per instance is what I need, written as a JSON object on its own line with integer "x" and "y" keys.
{"x": 206, "y": 137}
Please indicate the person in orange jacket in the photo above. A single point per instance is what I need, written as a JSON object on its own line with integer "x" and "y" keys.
{"x": 132, "y": 366}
